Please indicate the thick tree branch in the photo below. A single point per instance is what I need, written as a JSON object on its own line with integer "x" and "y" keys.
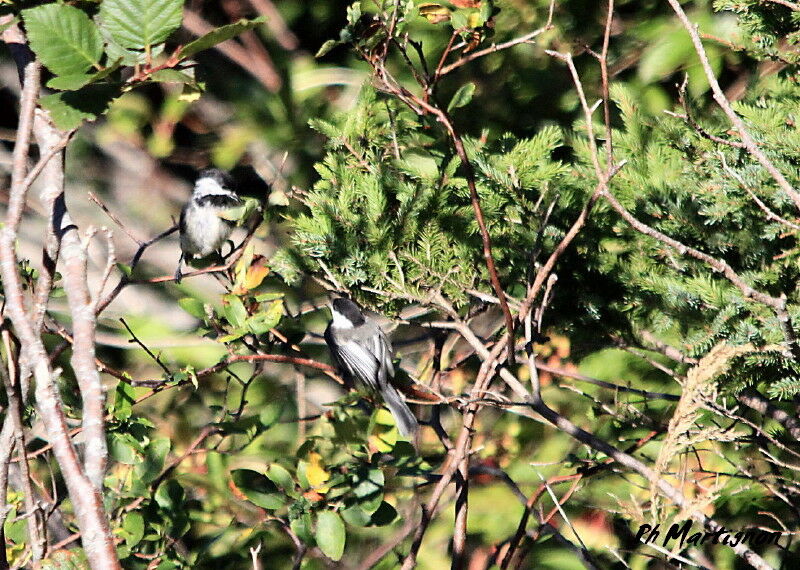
{"x": 85, "y": 495}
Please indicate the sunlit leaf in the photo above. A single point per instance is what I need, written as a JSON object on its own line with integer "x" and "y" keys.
{"x": 434, "y": 13}
{"x": 462, "y": 97}
{"x": 137, "y": 24}
{"x": 219, "y": 35}
{"x": 64, "y": 38}
{"x": 330, "y": 534}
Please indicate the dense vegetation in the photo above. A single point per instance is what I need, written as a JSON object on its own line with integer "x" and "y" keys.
{"x": 579, "y": 220}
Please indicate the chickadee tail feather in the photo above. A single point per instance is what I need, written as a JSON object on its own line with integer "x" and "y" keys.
{"x": 406, "y": 422}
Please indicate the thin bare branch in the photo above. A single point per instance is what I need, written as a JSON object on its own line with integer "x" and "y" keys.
{"x": 494, "y": 48}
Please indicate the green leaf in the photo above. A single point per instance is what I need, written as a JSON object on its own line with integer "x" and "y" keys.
{"x": 434, "y": 13}
{"x": 326, "y": 47}
{"x": 270, "y": 414}
{"x": 234, "y": 310}
{"x": 219, "y": 35}
{"x": 330, "y": 534}
{"x": 462, "y": 97}
{"x": 171, "y": 76}
{"x": 193, "y": 306}
{"x": 64, "y": 38}
{"x": 70, "y": 109}
{"x": 76, "y": 81}
{"x": 155, "y": 458}
{"x": 123, "y": 448}
{"x": 258, "y": 489}
{"x": 241, "y": 213}
{"x": 386, "y": 514}
{"x": 266, "y": 320}
{"x": 281, "y": 477}
{"x": 170, "y": 496}
{"x": 301, "y": 526}
{"x": 136, "y": 24}
{"x": 133, "y": 529}
{"x": 356, "y": 516}
{"x": 368, "y": 488}
{"x": 124, "y": 399}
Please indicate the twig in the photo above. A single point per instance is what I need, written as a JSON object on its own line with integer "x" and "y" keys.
{"x": 604, "y": 79}
{"x": 276, "y": 24}
{"x": 755, "y": 400}
{"x": 93, "y": 197}
{"x": 10, "y": 377}
{"x": 604, "y": 384}
{"x": 687, "y": 116}
{"x": 125, "y": 280}
{"x": 136, "y": 340}
{"x": 793, "y": 6}
{"x": 501, "y": 46}
{"x": 764, "y": 208}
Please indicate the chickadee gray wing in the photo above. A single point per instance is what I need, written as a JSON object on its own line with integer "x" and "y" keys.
{"x": 357, "y": 360}
{"x": 382, "y": 350}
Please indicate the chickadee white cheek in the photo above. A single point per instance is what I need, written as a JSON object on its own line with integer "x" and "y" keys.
{"x": 340, "y": 321}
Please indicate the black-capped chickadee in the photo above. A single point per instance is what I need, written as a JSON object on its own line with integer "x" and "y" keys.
{"x": 361, "y": 352}
{"x": 203, "y": 231}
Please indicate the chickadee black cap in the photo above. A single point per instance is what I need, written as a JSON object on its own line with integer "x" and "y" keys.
{"x": 362, "y": 352}
{"x": 202, "y": 230}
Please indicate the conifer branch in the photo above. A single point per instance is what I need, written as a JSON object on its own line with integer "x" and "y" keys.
{"x": 719, "y": 96}
{"x": 778, "y": 304}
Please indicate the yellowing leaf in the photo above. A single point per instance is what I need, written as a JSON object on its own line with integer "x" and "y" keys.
{"x": 255, "y": 275}
{"x": 316, "y": 474}
{"x": 434, "y": 13}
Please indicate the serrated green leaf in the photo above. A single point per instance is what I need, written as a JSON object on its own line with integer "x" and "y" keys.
{"x": 170, "y": 496}
{"x": 266, "y": 320}
{"x": 171, "y": 76}
{"x": 63, "y": 37}
{"x": 219, "y": 35}
{"x": 462, "y": 97}
{"x": 69, "y": 109}
{"x": 124, "y": 449}
{"x": 136, "y": 24}
{"x": 331, "y": 534}
{"x": 76, "y": 81}
{"x": 241, "y": 213}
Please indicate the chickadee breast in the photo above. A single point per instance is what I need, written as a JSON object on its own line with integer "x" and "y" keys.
{"x": 202, "y": 230}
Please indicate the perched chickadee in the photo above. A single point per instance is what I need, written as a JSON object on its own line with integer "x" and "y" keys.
{"x": 361, "y": 352}
{"x": 202, "y": 229}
